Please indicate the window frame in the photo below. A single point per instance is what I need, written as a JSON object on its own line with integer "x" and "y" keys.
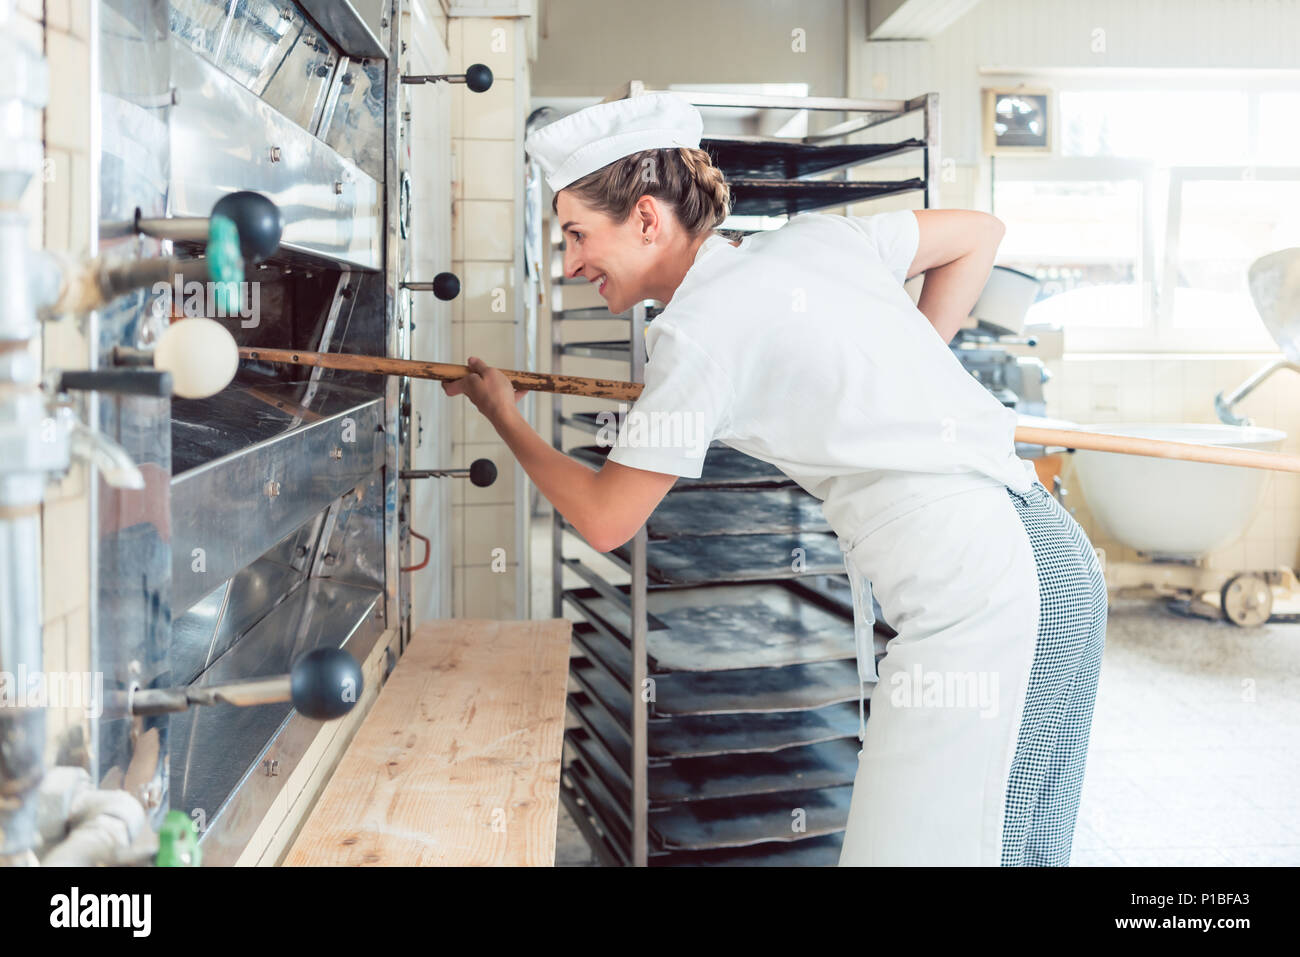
{"x": 1113, "y": 170}
{"x": 1254, "y": 338}
{"x": 1161, "y": 203}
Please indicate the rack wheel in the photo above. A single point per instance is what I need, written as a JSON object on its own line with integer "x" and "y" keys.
{"x": 1247, "y": 600}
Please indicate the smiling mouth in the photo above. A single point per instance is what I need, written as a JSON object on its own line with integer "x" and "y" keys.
{"x": 602, "y": 280}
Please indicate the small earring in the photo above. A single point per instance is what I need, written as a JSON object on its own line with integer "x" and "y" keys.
{"x": 646, "y": 238}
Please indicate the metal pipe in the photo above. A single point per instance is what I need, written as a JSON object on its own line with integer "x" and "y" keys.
{"x": 68, "y": 287}
{"x": 242, "y": 694}
{"x": 1224, "y": 405}
{"x": 22, "y": 488}
{"x": 22, "y": 730}
{"x": 22, "y": 476}
{"x": 177, "y": 229}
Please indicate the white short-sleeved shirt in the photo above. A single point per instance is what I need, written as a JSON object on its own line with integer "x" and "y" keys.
{"x": 801, "y": 348}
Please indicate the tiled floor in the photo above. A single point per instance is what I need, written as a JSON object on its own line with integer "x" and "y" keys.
{"x": 1195, "y": 749}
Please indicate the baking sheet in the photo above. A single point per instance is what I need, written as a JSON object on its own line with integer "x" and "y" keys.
{"x": 723, "y": 467}
{"x": 736, "y": 822}
{"x": 729, "y": 558}
{"x": 767, "y": 159}
{"x": 796, "y": 688}
{"x": 829, "y": 764}
{"x": 717, "y": 511}
{"x": 725, "y": 627}
{"x": 813, "y": 852}
{"x": 765, "y": 197}
{"x": 704, "y": 735}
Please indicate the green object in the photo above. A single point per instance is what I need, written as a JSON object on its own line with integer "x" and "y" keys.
{"x": 178, "y": 841}
{"x": 225, "y": 264}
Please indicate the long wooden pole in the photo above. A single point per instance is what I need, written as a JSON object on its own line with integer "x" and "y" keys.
{"x": 628, "y": 392}
{"x": 416, "y": 369}
{"x": 1158, "y": 448}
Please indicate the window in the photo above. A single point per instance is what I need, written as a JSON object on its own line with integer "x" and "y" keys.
{"x": 1219, "y": 223}
{"x": 1078, "y": 237}
{"x": 1142, "y": 228}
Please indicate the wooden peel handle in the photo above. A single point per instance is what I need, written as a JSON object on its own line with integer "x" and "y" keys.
{"x": 1159, "y": 448}
{"x": 628, "y": 392}
{"x": 381, "y": 365}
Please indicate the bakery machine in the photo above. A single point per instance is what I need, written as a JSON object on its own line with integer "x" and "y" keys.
{"x": 1174, "y": 515}
{"x": 245, "y": 544}
{"x": 997, "y": 320}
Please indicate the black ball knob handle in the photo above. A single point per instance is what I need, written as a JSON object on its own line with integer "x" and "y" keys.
{"x": 325, "y": 683}
{"x": 482, "y": 472}
{"x": 446, "y": 285}
{"x": 257, "y": 220}
{"x": 478, "y": 77}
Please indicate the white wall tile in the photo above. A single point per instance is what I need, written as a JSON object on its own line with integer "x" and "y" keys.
{"x": 500, "y": 492}
{"x": 487, "y": 40}
{"x": 58, "y": 201}
{"x": 70, "y": 486}
{"x": 487, "y": 290}
{"x": 488, "y": 168}
{"x": 458, "y": 592}
{"x": 489, "y": 594}
{"x": 65, "y": 550}
{"x": 485, "y": 229}
{"x": 493, "y": 342}
{"x": 458, "y": 352}
{"x": 64, "y": 346}
{"x": 77, "y": 636}
{"x": 489, "y": 115}
{"x": 1198, "y": 389}
{"x": 54, "y": 662}
{"x": 58, "y": 15}
{"x": 54, "y": 652}
{"x": 1167, "y": 376}
{"x": 79, "y": 14}
{"x": 457, "y": 531}
{"x": 32, "y": 205}
{"x": 67, "y": 117}
{"x": 457, "y": 170}
{"x": 487, "y": 527}
{"x": 1167, "y": 404}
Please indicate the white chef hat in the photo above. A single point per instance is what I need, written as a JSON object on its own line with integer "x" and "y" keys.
{"x": 583, "y": 142}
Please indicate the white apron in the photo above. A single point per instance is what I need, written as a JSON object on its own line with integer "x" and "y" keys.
{"x": 956, "y": 578}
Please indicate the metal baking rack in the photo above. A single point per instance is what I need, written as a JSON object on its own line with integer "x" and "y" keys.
{"x": 716, "y": 690}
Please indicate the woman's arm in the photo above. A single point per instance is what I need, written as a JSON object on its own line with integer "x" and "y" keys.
{"x": 606, "y": 507}
{"x": 956, "y": 252}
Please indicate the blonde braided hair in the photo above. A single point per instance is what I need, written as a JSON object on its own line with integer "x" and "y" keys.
{"x": 684, "y": 178}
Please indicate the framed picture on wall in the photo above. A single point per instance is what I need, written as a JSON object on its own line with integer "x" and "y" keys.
{"x": 1019, "y": 120}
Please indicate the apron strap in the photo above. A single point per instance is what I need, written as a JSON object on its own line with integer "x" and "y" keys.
{"x": 864, "y": 620}
{"x": 862, "y": 710}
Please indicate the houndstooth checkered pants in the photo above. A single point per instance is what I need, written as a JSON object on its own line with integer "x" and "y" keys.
{"x": 1001, "y": 592}
{"x": 1042, "y": 800}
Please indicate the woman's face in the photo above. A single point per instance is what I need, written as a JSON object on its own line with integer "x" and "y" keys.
{"x": 615, "y": 255}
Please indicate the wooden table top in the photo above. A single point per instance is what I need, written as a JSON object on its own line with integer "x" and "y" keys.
{"x": 458, "y": 762}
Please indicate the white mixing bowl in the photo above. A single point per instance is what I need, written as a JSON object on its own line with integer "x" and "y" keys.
{"x": 1167, "y": 508}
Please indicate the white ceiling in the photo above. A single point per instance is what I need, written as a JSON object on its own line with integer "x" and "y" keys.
{"x": 912, "y": 19}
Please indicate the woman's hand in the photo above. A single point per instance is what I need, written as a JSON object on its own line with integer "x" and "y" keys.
{"x": 488, "y": 388}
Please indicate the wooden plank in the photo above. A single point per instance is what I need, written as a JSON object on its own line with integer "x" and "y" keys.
{"x": 458, "y": 762}
{"x": 298, "y": 796}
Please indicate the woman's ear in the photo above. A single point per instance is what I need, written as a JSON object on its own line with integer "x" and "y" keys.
{"x": 646, "y": 216}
